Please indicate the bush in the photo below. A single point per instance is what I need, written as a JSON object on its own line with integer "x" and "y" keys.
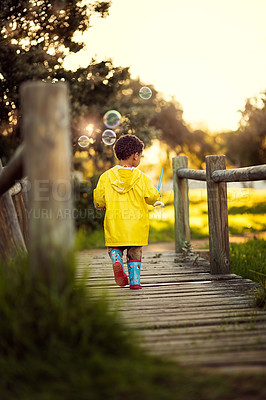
{"x": 86, "y": 216}
{"x": 57, "y": 339}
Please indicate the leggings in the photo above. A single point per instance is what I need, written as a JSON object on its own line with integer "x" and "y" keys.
{"x": 133, "y": 252}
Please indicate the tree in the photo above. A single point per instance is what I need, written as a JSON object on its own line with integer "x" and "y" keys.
{"x": 247, "y": 145}
{"x": 178, "y": 135}
{"x": 35, "y": 37}
{"x": 121, "y": 93}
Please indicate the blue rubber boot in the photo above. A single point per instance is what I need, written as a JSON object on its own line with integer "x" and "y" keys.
{"x": 121, "y": 278}
{"x": 134, "y": 273}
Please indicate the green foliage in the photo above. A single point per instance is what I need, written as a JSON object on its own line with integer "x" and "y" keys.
{"x": 35, "y": 37}
{"x": 249, "y": 261}
{"x": 109, "y": 88}
{"x": 86, "y": 215}
{"x": 88, "y": 239}
{"x": 161, "y": 231}
{"x": 260, "y": 296}
{"x": 44, "y": 334}
{"x": 245, "y": 258}
{"x": 187, "y": 248}
{"x": 246, "y": 146}
{"x": 259, "y": 208}
{"x": 178, "y": 135}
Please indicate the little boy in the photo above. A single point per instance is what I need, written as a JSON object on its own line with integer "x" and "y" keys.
{"x": 124, "y": 191}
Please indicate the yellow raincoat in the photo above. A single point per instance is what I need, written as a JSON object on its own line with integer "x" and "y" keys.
{"x": 125, "y": 192}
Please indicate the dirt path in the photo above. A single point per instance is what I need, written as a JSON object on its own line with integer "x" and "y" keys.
{"x": 197, "y": 244}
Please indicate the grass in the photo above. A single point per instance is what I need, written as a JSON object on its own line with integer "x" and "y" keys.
{"x": 249, "y": 261}
{"x": 245, "y": 258}
{"x": 88, "y": 239}
{"x": 68, "y": 345}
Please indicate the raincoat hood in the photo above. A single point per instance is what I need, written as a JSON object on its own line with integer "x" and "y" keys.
{"x": 123, "y": 179}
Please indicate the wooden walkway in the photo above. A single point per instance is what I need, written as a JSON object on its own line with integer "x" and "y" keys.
{"x": 184, "y": 313}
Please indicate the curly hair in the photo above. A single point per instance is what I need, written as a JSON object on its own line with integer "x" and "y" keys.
{"x": 127, "y": 145}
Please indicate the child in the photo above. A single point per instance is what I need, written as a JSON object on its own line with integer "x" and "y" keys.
{"x": 124, "y": 191}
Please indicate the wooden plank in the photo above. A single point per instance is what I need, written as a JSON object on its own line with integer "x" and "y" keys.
{"x": 215, "y": 320}
{"x": 181, "y": 307}
{"x": 227, "y": 357}
{"x": 231, "y": 335}
{"x": 208, "y": 323}
{"x": 148, "y": 295}
{"x": 191, "y": 314}
{"x": 190, "y": 333}
{"x": 185, "y": 305}
{"x": 205, "y": 344}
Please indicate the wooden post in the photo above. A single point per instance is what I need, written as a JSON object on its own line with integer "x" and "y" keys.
{"x": 46, "y": 130}
{"x": 181, "y": 204}
{"x": 218, "y": 217}
{"x": 11, "y": 239}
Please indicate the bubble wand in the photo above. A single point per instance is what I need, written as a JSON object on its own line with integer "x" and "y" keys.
{"x": 160, "y": 181}
{"x": 158, "y": 203}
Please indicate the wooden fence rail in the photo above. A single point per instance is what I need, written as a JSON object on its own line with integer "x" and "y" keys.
{"x": 13, "y": 172}
{"x": 216, "y": 177}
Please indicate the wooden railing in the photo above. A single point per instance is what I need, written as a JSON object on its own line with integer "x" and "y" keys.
{"x": 45, "y": 159}
{"x": 216, "y": 177}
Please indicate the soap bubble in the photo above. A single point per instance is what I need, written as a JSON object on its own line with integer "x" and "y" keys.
{"x": 145, "y": 93}
{"x": 112, "y": 119}
{"x": 108, "y": 137}
{"x": 83, "y": 141}
{"x": 158, "y": 204}
{"x": 158, "y": 207}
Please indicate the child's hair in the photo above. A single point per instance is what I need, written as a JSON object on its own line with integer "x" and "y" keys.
{"x": 127, "y": 145}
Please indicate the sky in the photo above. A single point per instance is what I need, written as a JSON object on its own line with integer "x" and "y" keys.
{"x": 209, "y": 54}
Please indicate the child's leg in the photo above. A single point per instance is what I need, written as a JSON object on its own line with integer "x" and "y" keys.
{"x": 134, "y": 254}
{"x": 116, "y": 255}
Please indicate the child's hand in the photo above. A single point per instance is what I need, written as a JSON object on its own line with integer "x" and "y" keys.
{"x": 99, "y": 208}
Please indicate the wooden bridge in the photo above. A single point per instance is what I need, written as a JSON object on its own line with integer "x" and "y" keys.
{"x": 191, "y": 310}
{"x": 185, "y": 313}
